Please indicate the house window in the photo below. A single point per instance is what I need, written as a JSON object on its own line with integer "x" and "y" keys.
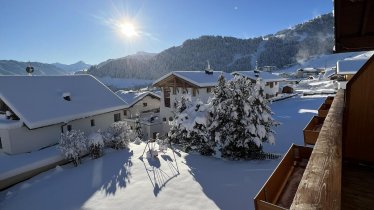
{"x": 154, "y": 135}
{"x": 117, "y": 117}
{"x": 92, "y": 122}
{"x": 145, "y": 104}
{"x": 132, "y": 128}
{"x": 1, "y": 144}
{"x": 167, "y": 97}
{"x": 193, "y": 91}
{"x": 271, "y": 85}
{"x": 164, "y": 119}
{"x": 208, "y": 89}
{"x": 69, "y": 127}
{"x": 62, "y": 128}
{"x": 170, "y": 118}
{"x": 174, "y": 90}
{"x": 125, "y": 112}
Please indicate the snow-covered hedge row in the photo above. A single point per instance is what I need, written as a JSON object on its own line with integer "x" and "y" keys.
{"x": 234, "y": 124}
{"x": 73, "y": 144}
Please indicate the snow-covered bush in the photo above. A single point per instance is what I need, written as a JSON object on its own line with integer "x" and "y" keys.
{"x": 73, "y": 144}
{"x": 118, "y": 135}
{"x": 95, "y": 145}
{"x": 240, "y": 119}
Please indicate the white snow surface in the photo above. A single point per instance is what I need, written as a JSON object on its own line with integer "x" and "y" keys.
{"x": 265, "y": 76}
{"x": 349, "y": 66}
{"x": 8, "y": 123}
{"x": 15, "y": 164}
{"x": 124, "y": 83}
{"x": 321, "y": 61}
{"x": 198, "y": 78}
{"x": 121, "y": 180}
{"x": 38, "y": 100}
{"x": 131, "y": 97}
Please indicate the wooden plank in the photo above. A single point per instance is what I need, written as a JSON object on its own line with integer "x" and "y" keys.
{"x": 273, "y": 188}
{"x": 320, "y": 186}
{"x": 263, "y": 205}
{"x": 358, "y": 138}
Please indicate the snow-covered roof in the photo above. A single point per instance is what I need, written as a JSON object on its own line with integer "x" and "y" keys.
{"x": 349, "y": 66}
{"x": 265, "y": 76}
{"x": 39, "y": 100}
{"x": 198, "y": 78}
{"x": 132, "y": 97}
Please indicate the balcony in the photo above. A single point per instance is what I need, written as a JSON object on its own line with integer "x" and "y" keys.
{"x": 312, "y": 130}
{"x": 310, "y": 178}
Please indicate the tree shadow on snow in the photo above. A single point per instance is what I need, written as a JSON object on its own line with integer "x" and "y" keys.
{"x": 157, "y": 176}
{"x": 70, "y": 188}
{"x": 230, "y": 185}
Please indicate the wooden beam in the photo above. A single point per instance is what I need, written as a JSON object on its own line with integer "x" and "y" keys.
{"x": 320, "y": 187}
{"x": 365, "y": 17}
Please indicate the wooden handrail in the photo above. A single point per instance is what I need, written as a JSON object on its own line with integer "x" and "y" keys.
{"x": 320, "y": 186}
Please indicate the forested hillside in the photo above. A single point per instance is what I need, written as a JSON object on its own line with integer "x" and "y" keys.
{"x": 284, "y": 48}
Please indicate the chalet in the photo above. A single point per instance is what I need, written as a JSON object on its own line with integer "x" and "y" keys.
{"x": 346, "y": 69}
{"x": 271, "y": 81}
{"x": 196, "y": 84}
{"x": 337, "y": 173}
{"x": 144, "y": 105}
{"x": 35, "y": 110}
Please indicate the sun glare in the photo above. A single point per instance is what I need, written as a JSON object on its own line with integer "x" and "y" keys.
{"x": 128, "y": 29}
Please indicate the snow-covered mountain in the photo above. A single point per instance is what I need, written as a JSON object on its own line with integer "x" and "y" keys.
{"x": 284, "y": 48}
{"x": 78, "y": 66}
{"x": 12, "y": 67}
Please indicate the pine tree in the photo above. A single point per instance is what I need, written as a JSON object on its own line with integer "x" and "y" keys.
{"x": 138, "y": 128}
{"x": 240, "y": 119}
{"x": 178, "y": 133}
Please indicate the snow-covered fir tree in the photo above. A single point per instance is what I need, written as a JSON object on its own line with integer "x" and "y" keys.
{"x": 189, "y": 127}
{"x": 177, "y": 133}
{"x": 240, "y": 119}
{"x": 73, "y": 144}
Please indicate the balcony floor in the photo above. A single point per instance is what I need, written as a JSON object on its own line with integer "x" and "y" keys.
{"x": 357, "y": 186}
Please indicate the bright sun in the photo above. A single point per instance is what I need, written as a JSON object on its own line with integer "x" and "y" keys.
{"x": 128, "y": 29}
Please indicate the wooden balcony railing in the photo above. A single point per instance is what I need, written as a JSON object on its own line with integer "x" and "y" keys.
{"x": 320, "y": 186}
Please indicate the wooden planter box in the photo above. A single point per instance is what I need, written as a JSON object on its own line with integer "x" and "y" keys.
{"x": 323, "y": 110}
{"x": 329, "y": 100}
{"x": 279, "y": 190}
{"x": 311, "y": 131}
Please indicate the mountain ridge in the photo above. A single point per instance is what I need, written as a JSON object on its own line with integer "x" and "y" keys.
{"x": 281, "y": 49}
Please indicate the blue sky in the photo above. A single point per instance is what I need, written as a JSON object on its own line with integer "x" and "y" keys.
{"x": 67, "y": 31}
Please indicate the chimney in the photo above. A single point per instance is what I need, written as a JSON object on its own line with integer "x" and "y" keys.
{"x": 208, "y": 70}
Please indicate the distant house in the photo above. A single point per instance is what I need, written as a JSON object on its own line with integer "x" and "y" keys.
{"x": 195, "y": 84}
{"x": 271, "y": 81}
{"x": 146, "y": 106}
{"x": 306, "y": 72}
{"x": 347, "y": 69}
{"x": 287, "y": 89}
{"x": 35, "y": 110}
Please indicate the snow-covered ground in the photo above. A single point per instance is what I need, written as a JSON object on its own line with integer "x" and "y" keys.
{"x": 15, "y": 164}
{"x": 121, "y": 180}
{"x": 310, "y": 87}
{"x": 122, "y": 83}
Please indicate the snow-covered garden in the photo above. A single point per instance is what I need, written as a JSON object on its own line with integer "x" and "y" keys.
{"x": 120, "y": 179}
